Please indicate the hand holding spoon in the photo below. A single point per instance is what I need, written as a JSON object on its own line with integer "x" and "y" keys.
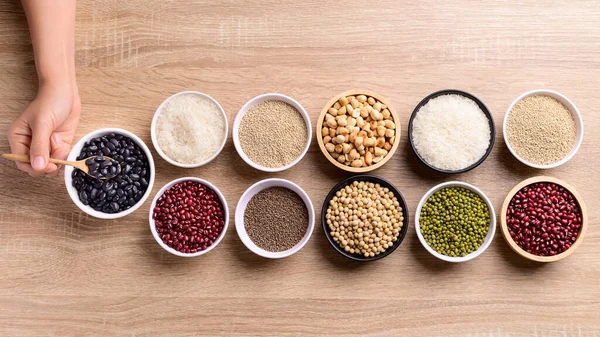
{"x": 97, "y": 167}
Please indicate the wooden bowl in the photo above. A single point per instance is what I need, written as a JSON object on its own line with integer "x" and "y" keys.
{"x": 320, "y": 126}
{"x": 513, "y": 244}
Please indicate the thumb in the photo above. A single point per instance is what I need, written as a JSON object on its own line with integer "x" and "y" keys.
{"x": 40, "y": 144}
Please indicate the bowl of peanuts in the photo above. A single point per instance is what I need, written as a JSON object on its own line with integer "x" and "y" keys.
{"x": 358, "y": 131}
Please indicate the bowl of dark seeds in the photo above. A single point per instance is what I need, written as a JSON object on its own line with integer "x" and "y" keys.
{"x": 122, "y": 173}
{"x": 274, "y": 218}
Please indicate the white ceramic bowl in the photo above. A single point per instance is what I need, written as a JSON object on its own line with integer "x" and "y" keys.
{"x": 153, "y": 224}
{"x": 69, "y": 170}
{"x": 155, "y": 121}
{"x": 489, "y": 237}
{"x": 260, "y": 99}
{"x": 241, "y": 209}
{"x": 576, "y": 117}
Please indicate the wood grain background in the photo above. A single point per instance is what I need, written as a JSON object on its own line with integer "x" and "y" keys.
{"x": 64, "y": 273}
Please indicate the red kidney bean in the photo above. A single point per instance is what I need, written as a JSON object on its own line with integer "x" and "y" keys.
{"x": 543, "y": 225}
{"x": 189, "y": 217}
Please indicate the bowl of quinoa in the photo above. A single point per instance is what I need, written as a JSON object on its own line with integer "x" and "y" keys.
{"x": 272, "y": 132}
{"x": 543, "y": 129}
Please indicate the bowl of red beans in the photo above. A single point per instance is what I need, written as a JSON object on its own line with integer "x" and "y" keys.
{"x": 543, "y": 219}
{"x": 189, "y": 217}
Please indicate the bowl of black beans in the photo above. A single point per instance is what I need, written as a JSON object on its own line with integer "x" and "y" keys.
{"x": 125, "y": 171}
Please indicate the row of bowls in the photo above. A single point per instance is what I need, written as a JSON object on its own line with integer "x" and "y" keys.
{"x": 275, "y": 182}
{"x": 265, "y": 97}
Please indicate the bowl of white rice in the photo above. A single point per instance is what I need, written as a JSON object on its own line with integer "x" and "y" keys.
{"x": 189, "y": 129}
{"x": 451, "y": 131}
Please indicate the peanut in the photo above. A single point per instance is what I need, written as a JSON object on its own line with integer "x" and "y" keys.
{"x": 364, "y": 112}
{"x": 392, "y": 140}
{"x": 342, "y": 110}
{"x": 351, "y": 122}
{"x": 356, "y": 112}
{"x": 342, "y": 120}
{"x": 331, "y": 132}
{"x": 369, "y": 142}
{"x": 371, "y": 100}
{"x": 353, "y": 154}
{"x": 337, "y": 105}
{"x": 355, "y": 103}
{"x": 339, "y": 139}
{"x": 374, "y": 113}
{"x": 389, "y": 133}
{"x": 339, "y": 148}
{"x": 377, "y": 159}
{"x": 346, "y": 148}
{"x": 324, "y": 131}
{"x": 330, "y": 147}
{"x": 386, "y": 114}
{"x": 342, "y": 131}
{"x": 380, "y": 152}
{"x": 377, "y": 106}
{"x": 356, "y": 163}
{"x": 368, "y": 158}
{"x": 326, "y": 139}
{"x": 387, "y": 146}
{"x": 331, "y": 123}
{"x": 361, "y": 98}
{"x": 358, "y": 142}
{"x": 343, "y": 101}
{"x": 389, "y": 124}
{"x": 332, "y": 111}
{"x": 360, "y": 121}
{"x": 380, "y": 141}
{"x": 382, "y": 131}
{"x": 341, "y": 158}
{"x": 349, "y": 109}
{"x": 352, "y": 137}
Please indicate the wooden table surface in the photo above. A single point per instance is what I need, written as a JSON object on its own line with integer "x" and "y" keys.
{"x": 64, "y": 273}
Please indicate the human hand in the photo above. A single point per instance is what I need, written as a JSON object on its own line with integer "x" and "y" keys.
{"x": 46, "y": 128}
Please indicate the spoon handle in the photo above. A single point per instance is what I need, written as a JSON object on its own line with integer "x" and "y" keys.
{"x": 24, "y": 158}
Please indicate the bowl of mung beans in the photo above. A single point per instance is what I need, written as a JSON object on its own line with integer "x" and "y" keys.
{"x": 365, "y": 218}
{"x": 358, "y": 131}
{"x": 555, "y": 136}
{"x": 272, "y": 132}
{"x": 455, "y": 221}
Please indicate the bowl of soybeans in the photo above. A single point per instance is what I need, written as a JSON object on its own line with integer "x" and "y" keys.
{"x": 365, "y": 218}
{"x": 358, "y": 131}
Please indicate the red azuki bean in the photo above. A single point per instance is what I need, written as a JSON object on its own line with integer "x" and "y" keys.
{"x": 188, "y": 203}
{"x": 543, "y": 225}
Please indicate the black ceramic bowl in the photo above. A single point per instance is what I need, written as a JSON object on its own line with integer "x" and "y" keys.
{"x": 374, "y": 179}
{"x": 481, "y": 106}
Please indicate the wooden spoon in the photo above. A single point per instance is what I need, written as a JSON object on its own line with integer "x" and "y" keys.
{"x": 80, "y": 164}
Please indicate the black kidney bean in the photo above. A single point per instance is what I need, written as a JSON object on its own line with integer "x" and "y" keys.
{"x": 131, "y": 175}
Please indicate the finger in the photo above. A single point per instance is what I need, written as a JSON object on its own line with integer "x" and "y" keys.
{"x": 51, "y": 170}
{"x": 40, "y": 144}
{"x": 60, "y": 149}
{"x": 19, "y": 139}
